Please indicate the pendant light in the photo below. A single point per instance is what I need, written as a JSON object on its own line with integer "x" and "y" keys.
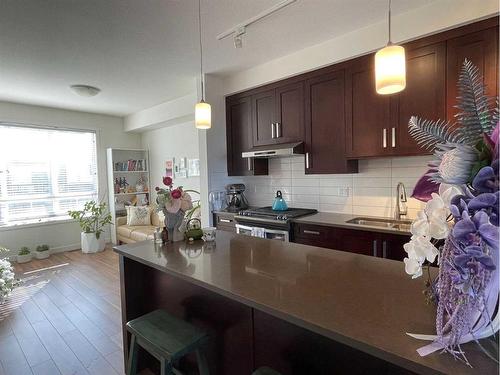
{"x": 202, "y": 110}
{"x": 390, "y": 67}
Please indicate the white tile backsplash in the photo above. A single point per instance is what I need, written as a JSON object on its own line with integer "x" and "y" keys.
{"x": 372, "y": 191}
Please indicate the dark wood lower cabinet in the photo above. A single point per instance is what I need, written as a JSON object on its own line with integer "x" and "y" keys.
{"x": 383, "y": 245}
{"x": 242, "y": 338}
{"x": 290, "y": 349}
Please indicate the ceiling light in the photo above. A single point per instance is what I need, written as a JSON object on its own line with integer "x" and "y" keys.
{"x": 390, "y": 67}
{"x": 85, "y": 90}
{"x": 202, "y": 110}
{"x": 238, "y": 41}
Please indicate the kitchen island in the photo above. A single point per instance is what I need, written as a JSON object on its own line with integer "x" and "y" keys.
{"x": 298, "y": 309}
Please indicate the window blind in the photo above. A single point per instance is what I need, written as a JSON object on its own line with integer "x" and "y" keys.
{"x": 45, "y": 172}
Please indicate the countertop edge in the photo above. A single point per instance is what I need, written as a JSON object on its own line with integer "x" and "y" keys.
{"x": 359, "y": 345}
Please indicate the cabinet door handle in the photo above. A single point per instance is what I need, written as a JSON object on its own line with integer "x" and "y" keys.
{"x": 249, "y": 161}
{"x": 307, "y": 160}
{"x": 311, "y": 232}
{"x": 384, "y": 138}
{"x": 278, "y": 130}
{"x": 225, "y": 221}
{"x": 273, "y": 135}
{"x": 393, "y": 137}
{"x": 374, "y": 248}
{"x": 384, "y": 249}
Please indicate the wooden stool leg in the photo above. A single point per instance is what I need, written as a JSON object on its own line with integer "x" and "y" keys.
{"x": 132, "y": 356}
{"x": 202, "y": 362}
{"x": 166, "y": 367}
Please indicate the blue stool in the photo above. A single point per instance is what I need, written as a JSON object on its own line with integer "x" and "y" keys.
{"x": 166, "y": 338}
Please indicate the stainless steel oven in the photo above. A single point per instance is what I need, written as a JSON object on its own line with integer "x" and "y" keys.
{"x": 270, "y": 234}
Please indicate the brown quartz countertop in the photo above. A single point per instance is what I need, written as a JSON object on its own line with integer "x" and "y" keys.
{"x": 332, "y": 219}
{"x": 365, "y": 302}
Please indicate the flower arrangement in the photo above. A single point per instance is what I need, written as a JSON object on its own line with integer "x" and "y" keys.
{"x": 7, "y": 279}
{"x": 176, "y": 204}
{"x": 462, "y": 194}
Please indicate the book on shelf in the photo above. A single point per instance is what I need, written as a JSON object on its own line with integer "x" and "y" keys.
{"x": 131, "y": 165}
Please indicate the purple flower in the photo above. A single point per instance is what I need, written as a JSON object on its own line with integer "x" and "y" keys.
{"x": 458, "y": 206}
{"x": 425, "y": 187}
{"x": 486, "y": 180}
{"x": 484, "y": 200}
{"x": 470, "y": 231}
{"x": 472, "y": 258}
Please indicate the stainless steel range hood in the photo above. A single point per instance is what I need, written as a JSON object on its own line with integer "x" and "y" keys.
{"x": 274, "y": 151}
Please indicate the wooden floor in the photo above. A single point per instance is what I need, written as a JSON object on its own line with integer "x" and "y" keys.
{"x": 64, "y": 318}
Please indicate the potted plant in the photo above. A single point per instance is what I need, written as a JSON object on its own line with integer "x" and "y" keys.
{"x": 92, "y": 219}
{"x": 7, "y": 279}
{"x": 42, "y": 252}
{"x": 24, "y": 255}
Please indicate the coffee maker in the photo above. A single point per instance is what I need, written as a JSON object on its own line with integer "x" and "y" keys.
{"x": 235, "y": 198}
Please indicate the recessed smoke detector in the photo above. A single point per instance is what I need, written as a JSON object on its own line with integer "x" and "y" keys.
{"x": 85, "y": 90}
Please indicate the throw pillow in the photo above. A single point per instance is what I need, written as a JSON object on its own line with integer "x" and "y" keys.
{"x": 138, "y": 215}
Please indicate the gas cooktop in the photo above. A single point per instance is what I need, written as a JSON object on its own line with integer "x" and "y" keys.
{"x": 267, "y": 213}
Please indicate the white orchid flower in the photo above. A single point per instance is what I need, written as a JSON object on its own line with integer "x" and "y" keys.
{"x": 413, "y": 267}
{"x": 421, "y": 248}
{"x": 420, "y": 226}
{"x": 447, "y": 192}
{"x": 437, "y": 211}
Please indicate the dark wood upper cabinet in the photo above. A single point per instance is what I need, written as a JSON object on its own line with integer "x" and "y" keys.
{"x": 289, "y": 114}
{"x": 481, "y": 48}
{"x": 368, "y": 119}
{"x": 239, "y": 138}
{"x": 424, "y": 95}
{"x": 263, "y": 119}
{"x": 278, "y": 114}
{"x": 325, "y": 116}
{"x": 340, "y": 117}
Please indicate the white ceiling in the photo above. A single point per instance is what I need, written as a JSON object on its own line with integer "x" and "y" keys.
{"x": 144, "y": 52}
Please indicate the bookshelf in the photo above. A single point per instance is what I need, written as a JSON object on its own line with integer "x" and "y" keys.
{"x": 128, "y": 181}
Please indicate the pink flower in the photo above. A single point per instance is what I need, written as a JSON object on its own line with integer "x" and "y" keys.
{"x": 168, "y": 181}
{"x": 176, "y": 193}
{"x": 186, "y": 202}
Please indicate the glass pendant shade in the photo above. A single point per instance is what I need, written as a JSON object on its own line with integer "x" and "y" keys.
{"x": 203, "y": 115}
{"x": 390, "y": 70}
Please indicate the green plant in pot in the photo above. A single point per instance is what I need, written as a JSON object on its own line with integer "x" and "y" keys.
{"x": 42, "y": 252}
{"x": 92, "y": 219}
{"x": 24, "y": 255}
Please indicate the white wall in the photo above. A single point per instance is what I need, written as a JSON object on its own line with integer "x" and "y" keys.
{"x": 288, "y": 174}
{"x": 66, "y": 235}
{"x": 436, "y": 16}
{"x": 179, "y": 140}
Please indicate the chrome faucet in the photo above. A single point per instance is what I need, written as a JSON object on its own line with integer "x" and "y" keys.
{"x": 401, "y": 209}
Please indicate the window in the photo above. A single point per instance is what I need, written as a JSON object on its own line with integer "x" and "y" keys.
{"x": 45, "y": 172}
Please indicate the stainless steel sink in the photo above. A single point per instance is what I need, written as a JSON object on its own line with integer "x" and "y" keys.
{"x": 403, "y": 225}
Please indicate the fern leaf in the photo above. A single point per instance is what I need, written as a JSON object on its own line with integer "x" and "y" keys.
{"x": 427, "y": 133}
{"x": 474, "y": 116}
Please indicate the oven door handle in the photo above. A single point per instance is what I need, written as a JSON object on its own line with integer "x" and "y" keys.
{"x": 282, "y": 232}
{"x": 244, "y": 227}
